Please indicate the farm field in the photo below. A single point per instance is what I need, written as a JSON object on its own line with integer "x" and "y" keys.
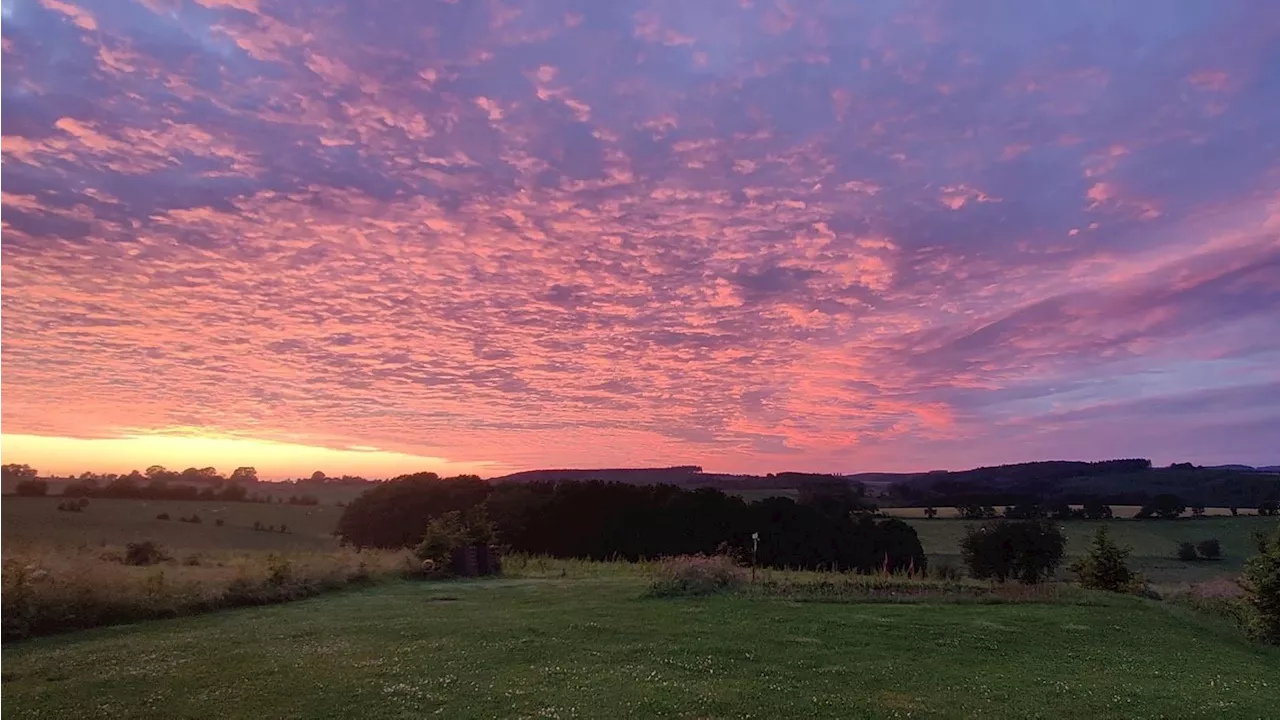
{"x": 1153, "y": 542}
{"x": 591, "y": 645}
{"x": 37, "y": 522}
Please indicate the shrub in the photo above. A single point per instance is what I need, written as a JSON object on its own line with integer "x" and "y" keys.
{"x": 1105, "y": 567}
{"x": 31, "y": 488}
{"x": 1097, "y": 510}
{"x": 931, "y": 512}
{"x": 1187, "y": 552}
{"x": 1165, "y": 506}
{"x": 449, "y": 533}
{"x": 697, "y": 575}
{"x": 1209, "y": 549}
{"x": 162, "y": 516}
{"x": 1261, "y": 584}
{"x": 219, "y": 522}
{"x": 1024, "y": 550}
{"x": 143, "y": 553}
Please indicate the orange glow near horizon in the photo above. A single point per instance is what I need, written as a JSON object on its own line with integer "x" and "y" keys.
{"x": 273, "y": 460}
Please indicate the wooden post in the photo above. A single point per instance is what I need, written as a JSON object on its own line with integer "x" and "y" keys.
{"x": 755, "y": 544}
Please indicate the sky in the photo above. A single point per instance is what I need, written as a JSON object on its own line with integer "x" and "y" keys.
{"x": 750, "y": 235}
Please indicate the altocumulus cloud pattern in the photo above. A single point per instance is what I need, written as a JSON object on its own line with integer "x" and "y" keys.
{"x": 753, "y": 235}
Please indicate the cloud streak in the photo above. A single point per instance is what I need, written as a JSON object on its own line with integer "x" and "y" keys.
{"x": 750, "y": 235}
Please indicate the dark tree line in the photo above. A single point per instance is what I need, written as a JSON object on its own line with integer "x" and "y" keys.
{"x": 599, "y": 520}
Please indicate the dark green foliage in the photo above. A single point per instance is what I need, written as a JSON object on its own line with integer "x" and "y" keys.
{"x": 1187, "y": 552}
{"x": 1165, "y": 506}
{"x": 598, "y": 520}
{"x": 452, "y": 531}
{"x": 144, "y": 552}
{"x": 1027, "y": 511}
{"x": 1105, "y": 567}
{"x": 1209, "y": 549}
{"x": 1024, "y": 550}
{"x": 1095, "y": 509}
{"x": 31, "y": 488}
{"x": 393, "y": 514}
{"x": 975, "y": 511}
{"x": 1261, "y": 583}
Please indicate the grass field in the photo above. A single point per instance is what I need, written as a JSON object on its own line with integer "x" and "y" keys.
{"x": 590, "y": 645}
{"x": 1153, "y": 542}
{"x": 37, "y": 522}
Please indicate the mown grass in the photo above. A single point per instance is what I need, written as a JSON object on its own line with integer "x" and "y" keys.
{"x": 585, "y": 642}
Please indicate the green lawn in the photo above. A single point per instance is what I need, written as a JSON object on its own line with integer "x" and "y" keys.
{"x": 1153, "y": 542}
{"x": 593, "y": 647}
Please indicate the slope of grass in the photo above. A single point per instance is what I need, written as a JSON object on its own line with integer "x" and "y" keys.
{"x": 37, "y": 522}
{"x": 590, "y": 646}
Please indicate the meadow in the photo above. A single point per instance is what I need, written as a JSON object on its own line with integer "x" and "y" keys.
{"x": 565, "y": 639}
{"x": 36, "y": 522}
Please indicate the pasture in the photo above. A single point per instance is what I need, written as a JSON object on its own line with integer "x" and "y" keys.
{"x": 565, "y": 640}
{"x": 36, "y": 522}
{"x": 1153, "y": 542}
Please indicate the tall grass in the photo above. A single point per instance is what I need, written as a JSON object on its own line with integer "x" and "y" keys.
{"x": 56, "y": 590}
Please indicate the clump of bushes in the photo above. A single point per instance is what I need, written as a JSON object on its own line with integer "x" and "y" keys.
{"x": 697, "y": 575}
{"x": 1209, "y": 549}
{"x": 1106, "y": 566}
{"x": 143, "y": 553}
{"x": 447, "y": 540}
{"x": 77, "y": 505}
{"x": 1024, "y": 550}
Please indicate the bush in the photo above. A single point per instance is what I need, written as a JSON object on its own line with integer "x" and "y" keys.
{"x": 1187, "y": 552}
{"x": 31, "y": 488}
{"x": 219, "y": 522}
{"x": 450, "y": 533}
{"x": 1164, "y": 506}
{"x": 162, "y": 516}
{"x": 1096, "y": 510}
{"x": 1105, "y": 567}
{"x": 1024, "y": 550}
{"x": 1209, "y": 549}
{"x": 931, "y": 512}
{"x": 697, "y": 575}
{"x": 1261, "y": 584}
{"x": 143, "y": 553}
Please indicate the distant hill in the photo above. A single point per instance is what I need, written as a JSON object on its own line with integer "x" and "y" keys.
{"x": 1121, "y": 482}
